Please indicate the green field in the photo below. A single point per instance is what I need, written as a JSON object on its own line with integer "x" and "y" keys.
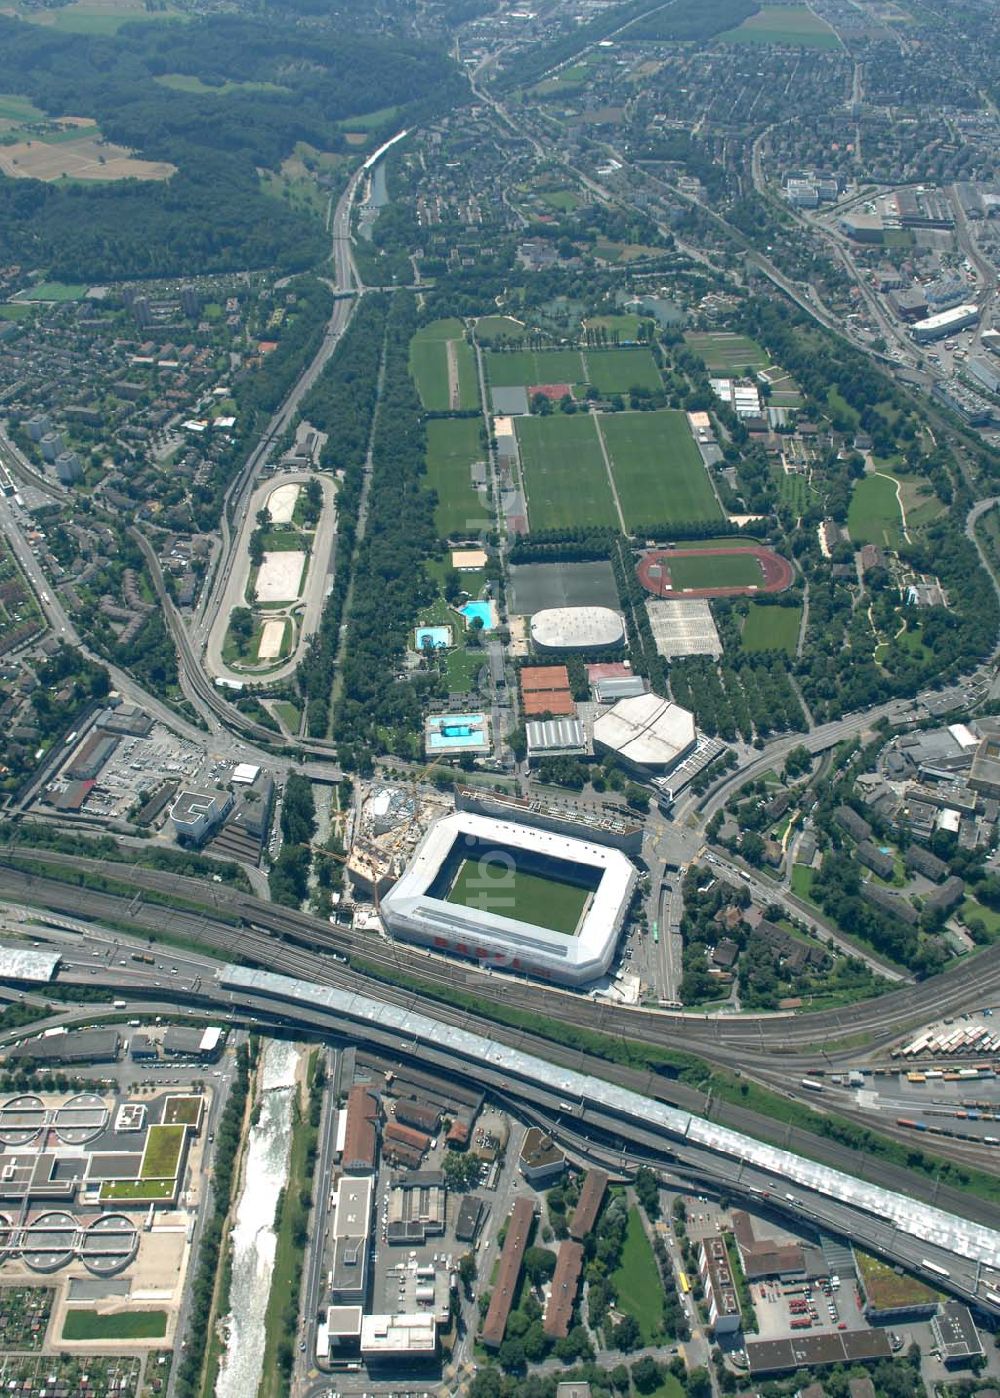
{"x": 565, "y": 478}
{"x": 792, "y": 26}
{"x": 725, "y": 353}
{"x": 15, "y": 108}
{"x": 429, "y": 367}
{"x": 618, "y": 370}
{"x": 637, "y": 1280}
{"x": 125, "y": 1325}
{"x": 94, "y": 19}
{"x": 772, "y": 628}
{"x": 659, "y": 474}
{"x": 625, "y": 325}
{"x": 511, "y": 892}
{"x": 525, "y": 368}
{"x": 369, "y": 121}
{"x": 490, "y": 328}
{"x": 728, "y": 570}
{"x": 794, "y": 490}
{"x": 873, "y": 515}
{"x": 187, "y": 82}
{"x": 452, "y": 446}
{"x": 163, "y": 1152}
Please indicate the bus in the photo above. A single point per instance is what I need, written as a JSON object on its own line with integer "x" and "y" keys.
{"x": 656, "y": 934}
{"x": 685, "y": 1285}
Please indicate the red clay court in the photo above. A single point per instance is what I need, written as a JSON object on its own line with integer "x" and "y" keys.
{"x": 663, "y": 572}
{"x": 555, "y": 392}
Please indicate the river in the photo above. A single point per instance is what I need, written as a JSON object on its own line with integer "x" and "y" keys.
{"x": 253, "y": 1239}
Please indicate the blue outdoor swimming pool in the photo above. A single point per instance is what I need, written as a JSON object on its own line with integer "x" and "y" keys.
{"x": 438, "y": 636}
{"x": 485, "y": 611}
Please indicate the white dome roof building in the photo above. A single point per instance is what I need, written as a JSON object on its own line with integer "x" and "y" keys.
{"x": 577, "y": 628}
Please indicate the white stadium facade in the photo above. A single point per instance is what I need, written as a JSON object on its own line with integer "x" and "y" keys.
{"x": 422, "y": 906}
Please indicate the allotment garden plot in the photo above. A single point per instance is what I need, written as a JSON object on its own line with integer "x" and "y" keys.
{"x": 659, "y": 473}
{"x": 565, "y": 478}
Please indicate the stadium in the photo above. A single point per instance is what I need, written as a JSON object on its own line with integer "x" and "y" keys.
{"x": 513, "y": 896}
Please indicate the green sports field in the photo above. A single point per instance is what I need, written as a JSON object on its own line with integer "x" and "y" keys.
{"x": 873, "y": 515}
{"x": 792, "y": 26}
{"x": 771, "y": 628}
{"x": 545, "y": 902}
{"x": 659, "y": 473}
{"x": 565, "y": 478}
{"x": 724, "y": 352}
{"x": 452, "y": 446}
{"x": 429, "y": 367}
{"x": 618, "y": 370}
{"x": 715, "y": 570}
{"x": 524, "y": 368}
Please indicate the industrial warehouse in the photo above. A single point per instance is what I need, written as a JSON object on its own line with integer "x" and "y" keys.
{"x": 513, "y": 896}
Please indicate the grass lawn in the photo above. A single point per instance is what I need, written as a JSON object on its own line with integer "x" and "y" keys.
{"x": 670, "y": 1388}
{"x": 124, "y": 1325}
{"x": 972, "y": 909}
{"x": 725, "y": 353}
{"x": 790, "y": 25}
{"x": 452, "y": 446}
{"x": 618, "y": 370}
{"x": 137, "y": 1189}
{"x": 564, "y": 472}
{"x": 187, "y": 82}
{"x": 369, "y": 121}
{"x": 802, "y": 881}
{"x": 545, "y": 902}
{"x": 637, "y": 1280}
{"x": 771, "y": 628}
{"x": 181, "y": 1111}
{"x": 429, "y": 366}
{"x": 659, "y": 473}
{"x": 288, "y": 714}
{"x": 627, "y": 325}
{"x": 490, "y": 328}
{"x": 729, "y": 570}
{"x": 162, "y": 1153}
{"x": 462, "y": 666}
{"x": 524, "y": 368}
{"x": 16, "y": 311}
{"x": 873, "y": 514}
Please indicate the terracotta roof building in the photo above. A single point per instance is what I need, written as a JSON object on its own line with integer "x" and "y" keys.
{"x": 565, "y": 1281}
{"x": 361, "y": 1134}
{"x": 519, "y": 1226}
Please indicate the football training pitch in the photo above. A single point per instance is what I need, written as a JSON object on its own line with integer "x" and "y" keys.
{"x": 618, "y": 370}
{"x": 523, "y": 368}
{"x": 565, "y": 478}
{"x": 452, "y": 446}
{"x": 511, "y": 892}
{"x": 659, "y": 473}
{"x": 771, "y": 628}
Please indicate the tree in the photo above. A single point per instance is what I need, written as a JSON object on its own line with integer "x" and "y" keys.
{"x": 467, "y": 1271}
{"x": 647, "y": 1375}
{"x": 512, "y": 1357}
{"x": 626, "y": 1335}
{"x": 539, "y": 1264}
{"x": 699, "y": 1384}
{"x": 648, "y": 1191}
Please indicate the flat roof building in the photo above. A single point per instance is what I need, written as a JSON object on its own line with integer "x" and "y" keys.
{"x": 31, "y": 967}
{"x": 77, "y": 1046}
{"x": 413, "y": 1336}
{"x": 181, "y": 1042}
{"x": 817, "y": 1351}
{"x": 936, "y": 327}
{"x": 195, "y": 815}
{"x": 723, "y": 1302}
{"x": 519, "y": 1226}
{"x": 540, "y": 1160}
{"x": 351, "y": 1229}
{"x": 955, "y": 1333}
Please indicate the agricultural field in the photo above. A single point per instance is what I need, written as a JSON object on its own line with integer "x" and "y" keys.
{"x": 725, "y": 353}
{"x": 95, "y": 17}
{"x": 784, "y": 390}
{"x": 187, "y": 82}
{"x": 72, "y": 148}
{"x": 791, "y": 26}
{"x": 659, "y": 473}
{"x": 794, "y": 490}
{"x": 14, "y": 110}
{"x": 618, "y": 370}
{"x": 452, "y": 446}
{"x": 771, "y": 628}
{"x": 444, "y": 368}
{"x": 715, "y": 570}
{"x": 523, "y": 368}
{"x": 873, "y": 515}
{"x": 565, "y": 478}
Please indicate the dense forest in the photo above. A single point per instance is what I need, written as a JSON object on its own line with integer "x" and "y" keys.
{"x": 213, "y": 214}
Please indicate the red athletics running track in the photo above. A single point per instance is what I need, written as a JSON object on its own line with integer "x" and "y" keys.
{"x": 654, "y": 572}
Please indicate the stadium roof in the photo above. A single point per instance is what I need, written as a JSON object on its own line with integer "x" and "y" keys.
{"x": 409, "y": 909}
{"x": 577, "y": 628}
{"x": 931, "y": 1225}
{"x": 646, "y": 730}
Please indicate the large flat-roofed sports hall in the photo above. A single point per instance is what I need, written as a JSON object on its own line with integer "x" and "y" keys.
{"x": 720, "y": 571}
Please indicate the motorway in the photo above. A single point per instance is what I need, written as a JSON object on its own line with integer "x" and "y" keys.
{"x": 97, "y": 958}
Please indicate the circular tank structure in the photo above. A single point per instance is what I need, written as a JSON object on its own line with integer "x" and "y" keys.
{"x": 81, "y": 1119}
{"x": 49, "y": 1241}
{"x": 109, "y": 1244}
{"x": 22, "y": 1119}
